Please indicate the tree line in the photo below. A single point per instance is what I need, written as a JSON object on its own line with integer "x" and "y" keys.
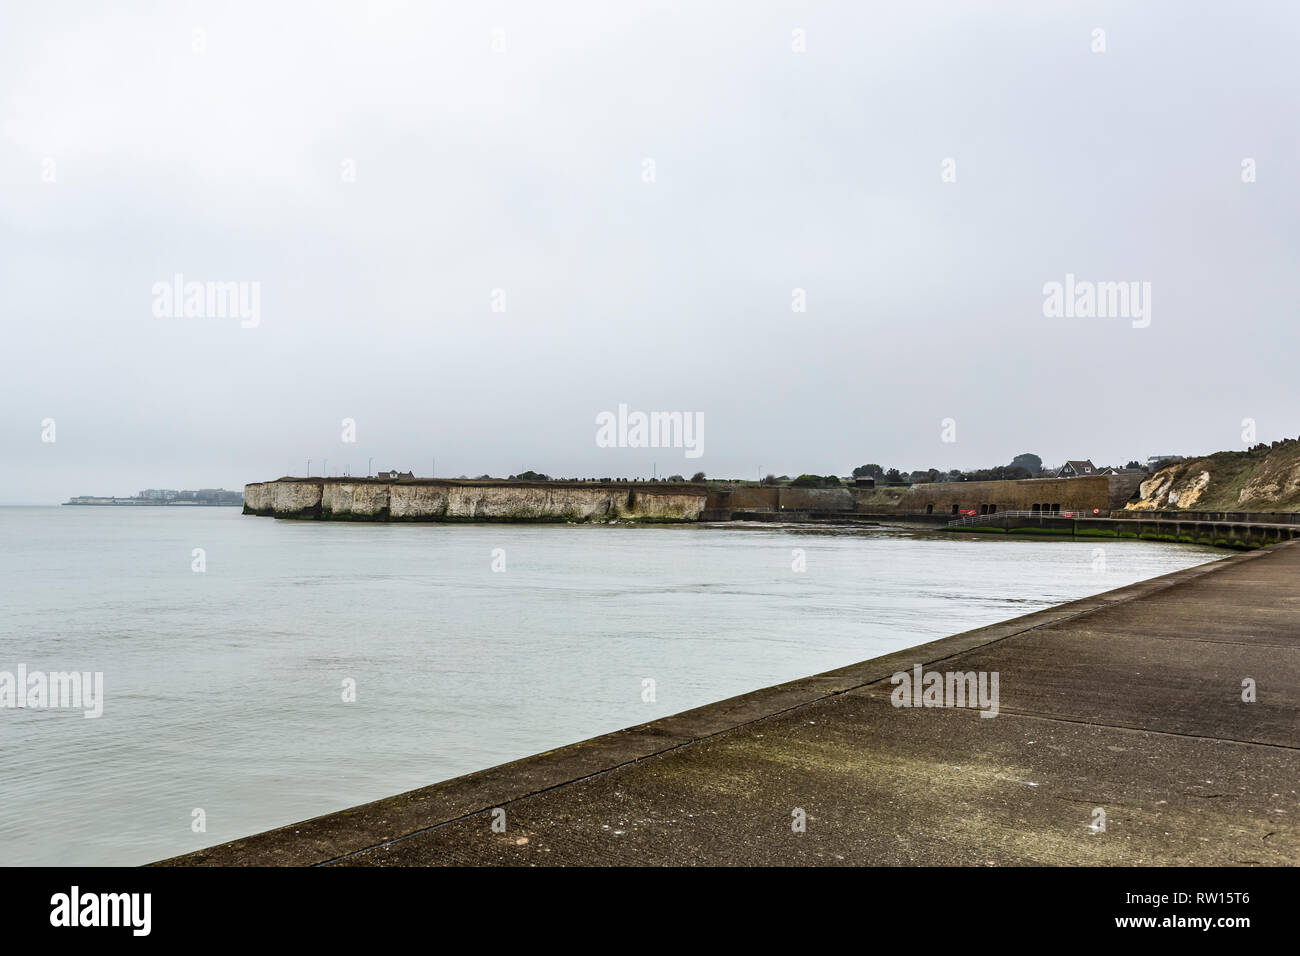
{"x": 1027, "y": 465}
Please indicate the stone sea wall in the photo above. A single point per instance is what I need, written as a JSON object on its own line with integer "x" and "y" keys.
{"x": 341, "y": 499}
{"x": 952, "y": 497}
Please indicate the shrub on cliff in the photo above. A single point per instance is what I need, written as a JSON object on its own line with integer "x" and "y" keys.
{"x": 815, "y": 481}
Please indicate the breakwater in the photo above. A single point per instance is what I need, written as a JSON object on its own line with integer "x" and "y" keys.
{"x": 370, "y": 499}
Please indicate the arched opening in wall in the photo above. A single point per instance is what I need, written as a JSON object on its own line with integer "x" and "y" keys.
{"x": 929, "y": 509}
{"x": 1036, "y": 509}
{"x": 954, "y": 509}
{"x": 993, "y": 509}
{"x": 1056, "y": 509}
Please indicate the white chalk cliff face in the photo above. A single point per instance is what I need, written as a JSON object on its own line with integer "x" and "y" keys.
{"x": 1171, "y": 488}
{"x": 271, "y": 497}
{"x": 340, "y": 499}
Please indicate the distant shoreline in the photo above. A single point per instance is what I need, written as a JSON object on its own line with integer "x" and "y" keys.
{"x": 137, "y": 502}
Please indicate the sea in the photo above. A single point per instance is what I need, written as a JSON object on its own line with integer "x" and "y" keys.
{"x": 258, "y": 672}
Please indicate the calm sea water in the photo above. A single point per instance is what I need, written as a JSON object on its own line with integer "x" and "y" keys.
{"x": 223, "y": 689}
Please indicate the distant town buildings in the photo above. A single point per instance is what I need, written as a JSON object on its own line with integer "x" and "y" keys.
{"x": 167, "y": 496}
{"x": 396, "y": 474}
{"x": 1077, "y": 469}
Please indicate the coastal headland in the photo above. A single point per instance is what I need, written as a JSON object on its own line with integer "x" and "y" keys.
{"x": 1156, "y": 724}
{"x": 1094, "y": 506}
{"x": 435, "y": 499}
{"x": 446, "y": 499}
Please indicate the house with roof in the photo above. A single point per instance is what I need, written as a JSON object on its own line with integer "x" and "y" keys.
{"x": 1077, "y": 469}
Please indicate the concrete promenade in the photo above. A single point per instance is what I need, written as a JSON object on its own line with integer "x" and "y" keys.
{"x": 1129, "y": 702}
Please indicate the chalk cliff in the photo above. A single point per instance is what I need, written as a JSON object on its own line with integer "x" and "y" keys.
{"x": 342, "y": 499}
{"x": 1266, "y": 478}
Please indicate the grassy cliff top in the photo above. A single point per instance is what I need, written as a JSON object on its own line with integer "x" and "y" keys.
{"x": 1263, "y": 479}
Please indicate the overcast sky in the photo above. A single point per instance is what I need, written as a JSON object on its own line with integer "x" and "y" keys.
{"x": 379, "y": 169}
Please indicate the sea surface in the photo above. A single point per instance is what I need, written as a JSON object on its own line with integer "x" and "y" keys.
{"x": 224, "y": 687}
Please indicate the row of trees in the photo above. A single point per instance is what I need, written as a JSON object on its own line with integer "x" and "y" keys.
{"x": 540, "y": 476}
{"x": 892, "y": 476}
{"x": 1027, "y": 465}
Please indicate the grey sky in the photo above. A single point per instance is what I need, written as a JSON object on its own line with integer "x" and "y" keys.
{"x": 522, "y": 170}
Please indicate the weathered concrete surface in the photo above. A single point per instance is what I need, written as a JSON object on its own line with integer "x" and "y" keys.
{"x": 1082, "y": 494}
{"x": 1129, "y": 701}
{"x": 1072, "y": 494}
{"x": 727, "y": 500}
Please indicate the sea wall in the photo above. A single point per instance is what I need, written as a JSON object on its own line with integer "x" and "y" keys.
{"x": 1240, "y": 535}
{"x": 726, "y": 501}
{"x": 1130, "y": 713}
{"x": 952, "y": 497}
{"x": 340, "y": 499}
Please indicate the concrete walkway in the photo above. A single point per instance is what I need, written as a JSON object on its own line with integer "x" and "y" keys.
{"x": 1129, "y": 702}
